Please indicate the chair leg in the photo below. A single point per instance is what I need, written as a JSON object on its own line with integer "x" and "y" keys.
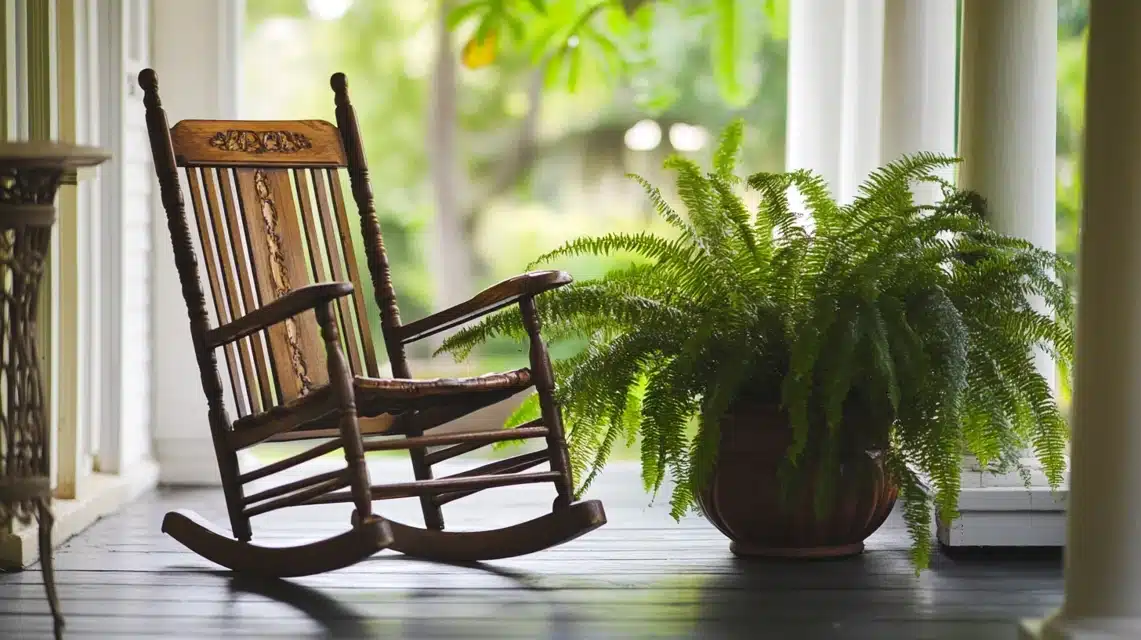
{"x": 231, "y": 485}
{"x": 433, "y": 516}
{"x": 544, "y": 377}
{"x": 341, "y": 381}
{"x": 46, "y": 520}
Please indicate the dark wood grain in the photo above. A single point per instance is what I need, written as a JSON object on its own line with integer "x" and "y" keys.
{"x": 545, "y": 388}
{"x": 379, "y": 269}
{"x": 325, "y": 489}
{"x": 335, "y": 552}
{"x": 548, "y": 530}
{"x": 509, "y": 465}
{"x": 385, "y": 405}
{"x": 475, "y": 437}
{"x": 305, "y": 143}
{"x": 495, "y": 297}
{"x": 290, "y": 461}
{"x": 276, "y": 251}
{"x": 341, "y": 383}
{"x": 295, "y": 302}
{"x": 436, "y": 486}
{"x": 239, "y": 234}
{"x": 311, "y": 409}
{"x": 318, "y": 429}
{"x": 338, "y": 219}
{"x": 520, "y": 462}
{"x": 289, "y": 487}
{"x": 377, "y": 257}
{"x": 235, "y": 272}
{"x": 216, "y": 265}
{"x": 517, "y": 380}
{"x": 324, "y": 257}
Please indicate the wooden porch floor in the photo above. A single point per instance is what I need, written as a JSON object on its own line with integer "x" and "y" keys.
{"x": 642, "y": 575}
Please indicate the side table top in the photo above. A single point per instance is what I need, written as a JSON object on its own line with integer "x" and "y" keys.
{"x": 50, "y": 153}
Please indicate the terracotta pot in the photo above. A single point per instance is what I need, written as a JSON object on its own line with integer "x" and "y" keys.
{"x": 743, "y": 497}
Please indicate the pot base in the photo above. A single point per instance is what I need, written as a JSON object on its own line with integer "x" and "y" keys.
{"x": 745, "y": 550}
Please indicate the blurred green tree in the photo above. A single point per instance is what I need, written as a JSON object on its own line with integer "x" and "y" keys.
{"x": 1073, "y": 36}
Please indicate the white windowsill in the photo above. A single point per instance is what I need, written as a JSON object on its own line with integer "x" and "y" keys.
{"x": 999, "y": 511}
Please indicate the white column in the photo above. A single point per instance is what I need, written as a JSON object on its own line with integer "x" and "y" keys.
{"x": 815, "y": 81}
{"x": 1009, "y": 113}
{"x": 1007, "y": 124}
{"x": 918, "y": 82}
{"x": 1103, "y": 558}
{"x": 863, "y": 74}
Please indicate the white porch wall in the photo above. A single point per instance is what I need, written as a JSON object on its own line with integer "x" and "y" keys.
{"x": 197, "y": 71}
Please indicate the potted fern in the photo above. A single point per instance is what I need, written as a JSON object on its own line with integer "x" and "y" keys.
{"x": 793, "y": 373}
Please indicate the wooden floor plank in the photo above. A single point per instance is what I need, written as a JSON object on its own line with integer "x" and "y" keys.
{"x": 642, "y": 575}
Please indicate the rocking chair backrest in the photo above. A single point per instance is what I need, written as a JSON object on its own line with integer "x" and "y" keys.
{"x": 270, "y": 214}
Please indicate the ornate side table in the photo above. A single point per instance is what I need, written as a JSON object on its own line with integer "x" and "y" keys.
{"x": 30, "y": 176}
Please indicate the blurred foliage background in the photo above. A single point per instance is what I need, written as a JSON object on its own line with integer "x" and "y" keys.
{"x": 478, "y": 170}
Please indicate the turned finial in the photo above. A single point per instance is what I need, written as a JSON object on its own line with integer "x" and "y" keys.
{"x": 148, "y": 80}
{"x": 340, "y": 88}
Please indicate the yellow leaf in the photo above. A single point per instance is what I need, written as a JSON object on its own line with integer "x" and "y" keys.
{"x": 479, "y": 53}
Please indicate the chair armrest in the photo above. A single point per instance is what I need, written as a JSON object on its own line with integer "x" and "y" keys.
{"x": 291, "y": 304}
{"x": 490, "y": 299}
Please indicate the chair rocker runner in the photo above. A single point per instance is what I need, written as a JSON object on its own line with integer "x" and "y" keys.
{"x": 292, "y": 326}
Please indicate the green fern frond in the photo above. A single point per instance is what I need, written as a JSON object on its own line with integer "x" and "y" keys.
{"x": 774, "y": 214}
{"x": 666, "y": 412}
{"x": 644, "y": 244}
{"x": 527, "y": 411}
{"x": 729, "y": 145}
{"x": 662, "y": 207}
{"x": 916, "y": 507}
{"x": 701, "y": 203}
{"x": 817, "y": 195}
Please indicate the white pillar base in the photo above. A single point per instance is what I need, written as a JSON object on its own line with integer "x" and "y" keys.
{"x": 999, "y": 511}
{"x": 1057, "y": 628}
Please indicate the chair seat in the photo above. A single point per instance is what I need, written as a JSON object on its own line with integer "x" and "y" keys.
{"x": 379, "y": 395}
{"x": 381, "y": 400}
{"x": 409, "y": 388}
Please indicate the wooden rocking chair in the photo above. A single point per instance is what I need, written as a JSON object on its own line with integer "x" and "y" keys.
{"x": 285, "y": 280}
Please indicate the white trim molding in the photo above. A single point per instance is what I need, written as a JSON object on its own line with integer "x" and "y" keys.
{"x": 1001, "y": 511}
